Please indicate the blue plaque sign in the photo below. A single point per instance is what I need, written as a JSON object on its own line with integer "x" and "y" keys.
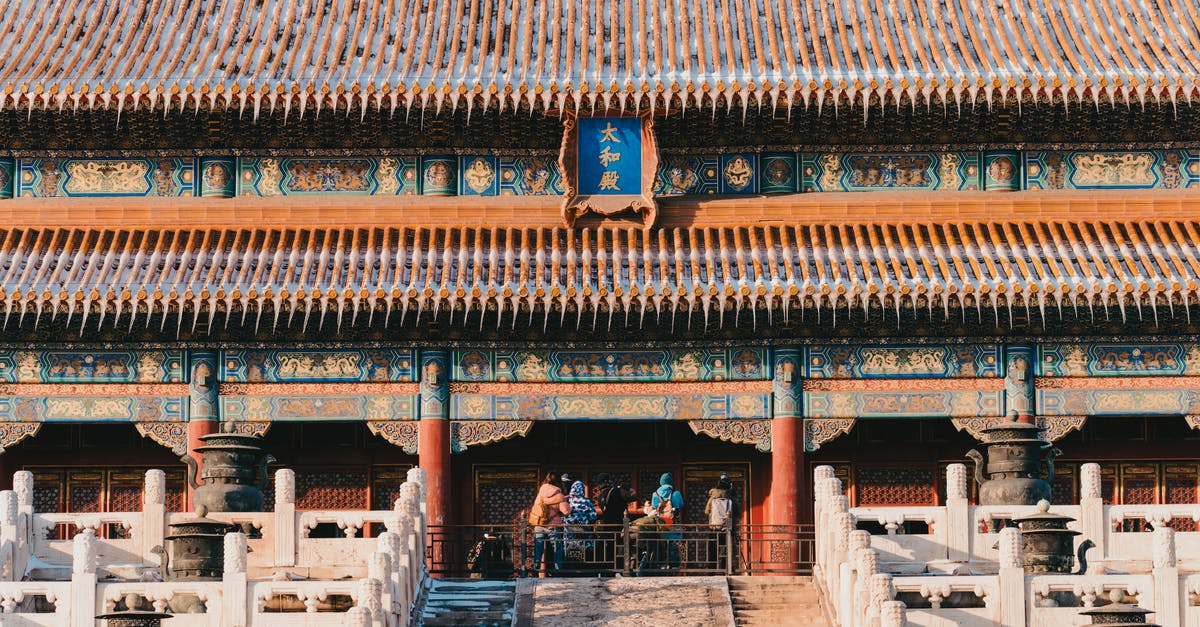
{"x": 610, "y": 156}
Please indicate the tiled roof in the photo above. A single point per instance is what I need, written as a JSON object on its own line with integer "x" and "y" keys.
{"x": 620, "y": 276}
{"x": 560, "y": 54}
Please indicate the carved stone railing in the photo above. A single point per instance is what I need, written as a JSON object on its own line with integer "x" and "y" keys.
{"x": 348, "y": 581}
{"x": 961, "y": 564}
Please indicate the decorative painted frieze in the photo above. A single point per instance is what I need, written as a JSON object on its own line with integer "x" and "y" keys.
{"x": 888, "y": 398}
{"x": 287, "y": 365}
{"x": 91, "y": 366}
{"x": 1066, "y": 359}
{"x": 603, "y": 402}
{"x": 90, "y": 177}
{"x": 870, "y": 362}
{"x": 856, "y": 172}
{"x": 756, "y": 432}
{"x": 8, "y": 177}
{"x": 687, "y": 175}
{"x": 92, "y": 402}
{"x": 530, "y": 176}
{"x": 1123, "y": 396}
{"x": 734, "y": 364}
{"x": 293, "y": 176}
{"x": 318, "y": 401}
{"x": 1112, "y": 169}
{"x": 11, "y": 433}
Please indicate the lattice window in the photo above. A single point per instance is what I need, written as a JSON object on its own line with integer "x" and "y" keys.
{"x": 895, "y": 486}
{"x": 502, "y": 494}
{"x": 1063, "y": 487}
{"x": 385, "y": 486}
{"x": 331, "y": 490}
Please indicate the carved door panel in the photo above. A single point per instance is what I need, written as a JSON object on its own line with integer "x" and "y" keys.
{"x": 503, "y": 493}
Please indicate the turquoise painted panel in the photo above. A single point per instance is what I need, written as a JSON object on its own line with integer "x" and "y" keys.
{"x": 285, "y": 365}
{"x": 292, "y": 176}
{"x": 1066, "y": 401}
{"x": 610, "y": 406}
{"x": 85, "y": 408}
{"x": 684, "y": 174}
{"x": 912, "y": 403}
{"x": 735, "y": 364}
{"x": 1112, "y": 169}
{"x": 91, "y": 366}
{"x": 1118, "y": 360}
{"x": 90, "y": 177}
{"x": 309, "y": 407}
{"x": 870, "y": 362}
{"x": 530, "y": 176}
{"x": 854, "y": 172}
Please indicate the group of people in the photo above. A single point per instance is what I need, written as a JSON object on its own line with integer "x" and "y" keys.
{"x": 567, "y": 521}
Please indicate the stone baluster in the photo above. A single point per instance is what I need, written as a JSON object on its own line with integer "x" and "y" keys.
{"x": 1091, "y": 510}
{"x": 9, "y": 527}
{"x": 867, "y": 566}
{"x": 154, "y": 514}
{"x": 882, "y": 590}
{"x": 1012, "y": 578}
{"x": 83, "y": 579}
{"x": 891, "y": 614}
{"x": 388, "y": 544}
{"x": 358, "y": 616}
{"x": 379, "y": 567}
{"x": 820, "y": 475}
{"x": 370, "y": 597}
{"x": 859, "y": 541}
{"x": 410, "y": 504}
{"x": 958, "y": 515}
{"x": 285, "y": 517}
{"x": 1166, "y": 578}
{"x": 843, "y": 523}
{"x": 234, "y": 581}
{"x": 834, "y": 500}
{"x": 23, "y": 486}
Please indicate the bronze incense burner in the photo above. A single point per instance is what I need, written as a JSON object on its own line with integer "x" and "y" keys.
{"x": 1047, "y": 546}
{"x": 233, "y": 475}
{"x": 1015, "y": 457}
{"x": 197, "y": 548}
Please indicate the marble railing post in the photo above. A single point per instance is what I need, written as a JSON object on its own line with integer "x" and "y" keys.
{"x": 358, "y": 616}
{"x": 389, "y": 544}
{"x": 1012, "y": 578}
{"x": 1091, "y": 509}
{"x": 849, "y": 573}
{"x": 285, "y": 517}
{"x": 23, "y": 486}
{"x": 83, "y": 579}
{"x": 418, "y": 477}
{"x": 154, "y": 514}
{"x": 412, "y": 543}
{"x": 370, "y": 598}
{"x": 234, "y": 581}
{"x": 9, "y": 526}
{"x": 1166, "y": 578}
{"x": 892, "y": 614}
{"x": 958, "y": 517}
{"x": 882, "y": 591}
{"x": 866, "y": 568}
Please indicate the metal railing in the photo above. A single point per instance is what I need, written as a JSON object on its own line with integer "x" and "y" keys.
{"x": 629, "y": 549}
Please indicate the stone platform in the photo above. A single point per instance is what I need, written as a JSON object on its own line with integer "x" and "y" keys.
{"x": 632, "y": 602}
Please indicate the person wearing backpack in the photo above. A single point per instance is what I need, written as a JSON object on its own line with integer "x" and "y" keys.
{"x": 545, "y": 516}
{"x": 719, "y": 510}
{"x": 668, "y": 503}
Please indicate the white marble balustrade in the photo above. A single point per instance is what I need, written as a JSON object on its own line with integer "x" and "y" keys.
{"x": 278, "y": 577}
{"x": 964, "y": 566}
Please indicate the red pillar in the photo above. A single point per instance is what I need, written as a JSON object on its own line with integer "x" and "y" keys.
{"x": 786, "y": 458}
{"x": 203, "y": 403}
{"x": 197, "y": 428}
{"x": 433, "y": 434}
{"x": 433, "y": 447}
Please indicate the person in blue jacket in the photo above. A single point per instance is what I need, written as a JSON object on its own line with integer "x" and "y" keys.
{"x": 668, "y": 503}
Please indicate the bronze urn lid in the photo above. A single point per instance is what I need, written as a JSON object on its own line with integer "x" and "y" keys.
{"x": 1045, "y": 521}
{"x": 1013, "y": 432}
{"x": 133, "y": 617}
{"x": 1118, "y": 612}
{"x": 200, "y": 526}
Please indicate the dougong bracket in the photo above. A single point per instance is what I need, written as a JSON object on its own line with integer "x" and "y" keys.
{"x": 1056, "y": 427}
{"x": 402, "y": 433}
{"x": 756, "y": 432}
{"x": 818, "y": 431}
{"x": 465, "y": 433}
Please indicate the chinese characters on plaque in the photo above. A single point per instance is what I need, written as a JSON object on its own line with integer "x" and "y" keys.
{"x": 609, "y": 158}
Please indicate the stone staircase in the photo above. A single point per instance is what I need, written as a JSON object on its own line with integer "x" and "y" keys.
{"x": 469, "y": 603}
{"x": 775, "y": 601}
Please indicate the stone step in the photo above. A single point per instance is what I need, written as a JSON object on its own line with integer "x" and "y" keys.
{"x": 469, "y": 604}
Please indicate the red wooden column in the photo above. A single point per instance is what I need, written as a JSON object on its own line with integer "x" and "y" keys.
{"x": 203, "y": 402}
{"x": 787, "y": 440}
{"x": 433, "y": 434}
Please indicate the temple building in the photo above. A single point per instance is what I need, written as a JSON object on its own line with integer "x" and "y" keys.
{"x": 500, "y": 239}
